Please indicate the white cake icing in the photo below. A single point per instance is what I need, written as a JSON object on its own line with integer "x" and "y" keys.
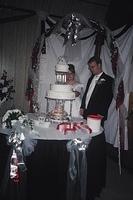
{"x": 61, "y": 65}
{"x": 58, "y": 91}
{"x": 60, "y": 88}
{"x": 61, "y": 68}
{"x": 60, "y": 95}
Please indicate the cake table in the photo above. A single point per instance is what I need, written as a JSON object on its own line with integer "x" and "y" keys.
{"x": 47, "y": 167}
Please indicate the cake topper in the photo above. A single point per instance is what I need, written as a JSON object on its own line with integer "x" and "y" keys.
{"x": 61, "y": 60}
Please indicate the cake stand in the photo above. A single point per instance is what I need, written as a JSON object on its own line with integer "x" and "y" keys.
{"x": 55, "y": 110}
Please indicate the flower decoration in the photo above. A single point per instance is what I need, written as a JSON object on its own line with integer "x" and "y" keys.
{"x": 10, "y": 118}
{"x": 6, "y": 88}
{"x": 14, "y": 118}
{"x": 101, "y": 81}
{"x": 17, "y": 125}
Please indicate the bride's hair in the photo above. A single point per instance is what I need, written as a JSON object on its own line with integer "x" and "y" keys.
{"x": 71, "y": 68}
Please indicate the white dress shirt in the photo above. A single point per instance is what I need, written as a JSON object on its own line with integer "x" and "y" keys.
{"x": 91, "y": 88}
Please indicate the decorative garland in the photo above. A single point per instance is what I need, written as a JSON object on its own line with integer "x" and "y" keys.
{"x": 35, "y": 52}
{"x": 38, "y": 48}
{"x": 114, "y": 59}
{"x": 119, "y": 100}
{"x": 29, "y": 94}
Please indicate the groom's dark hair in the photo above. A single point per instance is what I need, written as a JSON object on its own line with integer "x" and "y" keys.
{"x": 95, "y": 59}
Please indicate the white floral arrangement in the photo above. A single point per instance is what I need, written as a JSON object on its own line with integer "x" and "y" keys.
{"x": 15, "y": 115}
{"x": 6, "y": 88}
{"x": 10, "y": 118}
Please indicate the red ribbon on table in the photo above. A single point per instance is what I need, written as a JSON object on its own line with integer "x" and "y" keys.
{"x": 66, "y": 127}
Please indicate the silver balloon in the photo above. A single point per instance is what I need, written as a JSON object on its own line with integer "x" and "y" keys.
{"x": 71, "y": 25}
{"x": 76, "y": 30}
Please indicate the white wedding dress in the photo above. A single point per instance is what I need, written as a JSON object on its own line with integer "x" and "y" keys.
{"x": 75, "y": 103}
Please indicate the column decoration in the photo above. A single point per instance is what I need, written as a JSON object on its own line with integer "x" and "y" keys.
{"x": 99, "y": 41}
{"x": 119, "y": 96}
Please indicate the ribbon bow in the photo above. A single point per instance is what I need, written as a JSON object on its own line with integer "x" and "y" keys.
{"x": 77, "y": 167}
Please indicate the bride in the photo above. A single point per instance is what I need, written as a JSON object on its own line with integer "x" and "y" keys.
{"x": 77, "y": 88}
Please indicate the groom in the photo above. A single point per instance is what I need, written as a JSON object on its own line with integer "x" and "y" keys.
{"x": 99, "y": 91}
{"x": 96, "y": 100}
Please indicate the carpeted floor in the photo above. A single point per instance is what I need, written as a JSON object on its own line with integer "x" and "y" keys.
{"x": 118, "y": 187}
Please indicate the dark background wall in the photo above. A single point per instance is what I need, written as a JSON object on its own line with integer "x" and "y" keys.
{"x": 119, "y": 12}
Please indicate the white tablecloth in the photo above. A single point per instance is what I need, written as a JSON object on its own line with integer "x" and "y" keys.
{"x": 52, "y": 133}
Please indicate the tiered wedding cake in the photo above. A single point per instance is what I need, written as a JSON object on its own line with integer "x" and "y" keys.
{"x": 60, "y": 91}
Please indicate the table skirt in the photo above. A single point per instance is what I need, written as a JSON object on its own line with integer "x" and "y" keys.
{"x": 47, "y": 167}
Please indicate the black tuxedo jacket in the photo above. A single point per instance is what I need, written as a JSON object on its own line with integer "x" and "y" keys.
{"x": 101, "y": 96}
